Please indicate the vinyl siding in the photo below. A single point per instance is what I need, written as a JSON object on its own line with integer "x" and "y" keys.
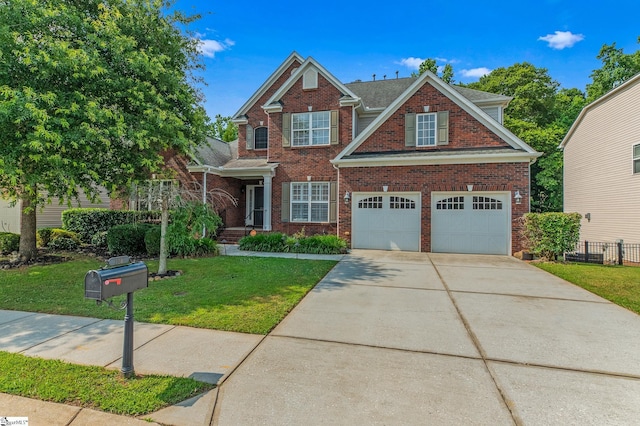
{"x": 598, "y": 169}
{"x": 9, "y": 218}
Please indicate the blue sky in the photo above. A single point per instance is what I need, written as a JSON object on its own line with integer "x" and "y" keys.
{"x": 244, "y": 42}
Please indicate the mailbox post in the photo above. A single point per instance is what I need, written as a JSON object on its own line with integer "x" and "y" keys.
{"x": 120, "y": 276}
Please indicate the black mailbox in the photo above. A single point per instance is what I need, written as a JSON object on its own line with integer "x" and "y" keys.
{"x": 103, "y": 284}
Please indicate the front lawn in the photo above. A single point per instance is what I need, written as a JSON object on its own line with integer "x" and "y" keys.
{"x": 243, "y": 294}
{"x": 92, "y": 387}
{"x": 619, "y": 284}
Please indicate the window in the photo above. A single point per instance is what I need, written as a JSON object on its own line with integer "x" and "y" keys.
{"x": 426, "y": 127}
{"x": 453, "y": 203}
{"x": 311, "y": 128}
{"x": 370, "y": 203}
{"x": 401, "y": 203}
{"x": 636, "y": 158}
{"x": 486, "y": 203}
{"x": 261, "y": 136}
{"x": 310, "y": 202}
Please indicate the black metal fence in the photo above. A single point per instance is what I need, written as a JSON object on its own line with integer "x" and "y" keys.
{"x": 618, "y": 253}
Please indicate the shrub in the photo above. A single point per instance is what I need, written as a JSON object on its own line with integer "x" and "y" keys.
{"x": 272, "y": 242}
{"x": 43, "y": 236}
{"x": 152, "y": 240}
{"x": 63, "y": 243}
{"x": 9, "y": 242}
{"x": 126, "y": 240}
{"x": 187, "y": 223}
{"x": 205, "y": 246}
{"x": 63, "y": 233}
{"x": 99, "y": 239}
{"x": 86, "y": 222}
{"x": 321, "y": 244}
{"x": 551, "y": 234}
{"x": 277, "y": 242}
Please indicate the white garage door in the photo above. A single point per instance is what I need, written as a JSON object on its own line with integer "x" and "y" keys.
{"x": 475, "y": 222}
{"x": 386, "y": 221}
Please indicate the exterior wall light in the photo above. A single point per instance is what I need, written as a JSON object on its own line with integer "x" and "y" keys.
{"x": 518, "y": 197}
{"x": 347, "y": 197}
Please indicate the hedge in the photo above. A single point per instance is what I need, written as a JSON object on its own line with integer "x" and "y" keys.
{"x": 86, "y": 222}
{"x": 278, "y": 242}
{"x": 551, "y": 234}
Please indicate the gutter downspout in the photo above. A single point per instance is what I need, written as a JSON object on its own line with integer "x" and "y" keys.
{"x": 337, "y": 202}
{"x": 204, "y": 197}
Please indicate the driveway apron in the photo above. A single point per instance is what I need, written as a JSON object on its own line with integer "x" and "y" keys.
{"x": 416, "y": 338}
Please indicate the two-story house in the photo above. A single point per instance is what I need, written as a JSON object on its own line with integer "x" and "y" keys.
{"x": 409, "y": 164}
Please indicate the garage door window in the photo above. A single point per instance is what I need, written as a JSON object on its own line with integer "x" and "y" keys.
{"x": 453, "y": 203}
{"x": 401, "y": 203}
{"x": 486, "y": 203}
{"x": 370, "y": 203}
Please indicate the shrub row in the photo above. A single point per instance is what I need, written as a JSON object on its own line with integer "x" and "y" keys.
{"x": 87, "y": 222}
{"x": 278, "y": 242}
{"x": 143, "y": 238}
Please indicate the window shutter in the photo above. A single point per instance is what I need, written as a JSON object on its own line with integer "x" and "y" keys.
{"x": 443, "y": 128}
{"x": 334, "y": 127}
{"x": 250, "y": 143}
{"x": 333, "y": 198}
{"x": 284, "y": 213}
{"x": 286, "y": 129}
{"x": 410, "y": 129}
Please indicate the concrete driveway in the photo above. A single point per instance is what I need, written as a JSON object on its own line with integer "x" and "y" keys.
{"x": 415, "y": 338}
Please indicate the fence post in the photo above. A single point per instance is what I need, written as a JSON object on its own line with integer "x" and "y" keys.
{"x": 586, "y": 251}
{"x": 620, "y": 253}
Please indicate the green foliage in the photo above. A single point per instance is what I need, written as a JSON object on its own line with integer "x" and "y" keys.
{"x": 43, "y": 236}
{"x": 205, "y": 246}
{"x": 551, "y": 234}
{"x": 63, "y": 243}
{"x": 617, "y": 67}
{"x": 187, "y": 223}
{"x": 429, "y": 64}
{"x": 86, "y": 222}
{"x": 223, "y": 129}
{"x": 298, "y": 243}
{"x": 9, "y": 242}
{"x": 99, "y": 239}
{"x": 152, "y": 240}
{"x": 127, "y": 239}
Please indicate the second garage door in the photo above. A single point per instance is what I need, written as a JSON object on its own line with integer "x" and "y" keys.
{"x": 386, "y": 221}
{"x": 475, "y": 222}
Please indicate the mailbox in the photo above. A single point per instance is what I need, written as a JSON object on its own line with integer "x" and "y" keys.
{"x": 103, "y": 284}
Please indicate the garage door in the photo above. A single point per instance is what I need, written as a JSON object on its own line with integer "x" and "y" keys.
{"x": 386, "y": 221}
{"x": 470, "y": 223}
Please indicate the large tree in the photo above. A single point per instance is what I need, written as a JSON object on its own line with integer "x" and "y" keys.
{"x": 617, "y": 67}
{"x": 91, "y": 93}
{"x": 430, "y": 64}
{"x": 223, "y": 128}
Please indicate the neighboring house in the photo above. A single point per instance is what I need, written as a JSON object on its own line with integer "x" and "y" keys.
{"x": 50, "y": 216}
{"x": 409, "y": 164}
{"x": 602, "y": 166}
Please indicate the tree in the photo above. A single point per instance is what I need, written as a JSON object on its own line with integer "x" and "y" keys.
{"x": 617, "y": 67}
{"x": 91, "y": 93}
{"x": 223, "y": 128}
{"x": 429, "y": 64}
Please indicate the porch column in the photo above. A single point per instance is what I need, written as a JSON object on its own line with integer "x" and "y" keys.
{"x": 266, "y": 218}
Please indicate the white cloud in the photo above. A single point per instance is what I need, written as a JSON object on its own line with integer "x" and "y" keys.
{"x": 562, "y": 39}
{"x": 209, "y": 48}
{"x": 475, "y": 72}
{"x": 411, "y": 62}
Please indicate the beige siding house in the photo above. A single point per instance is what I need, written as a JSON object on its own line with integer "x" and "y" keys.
{"x": 602, "y": 166}
{"x": 49, "y": 217}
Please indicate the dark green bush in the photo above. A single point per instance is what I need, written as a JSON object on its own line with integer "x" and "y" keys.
{"x": 99, "y": 239}
{"x": 277, "y": 242}
{"x": 152, "y": 241}
{"x": 126, "y": 240}
{"x": 205, "y": 246}
{"x": 43, "y": 236}
{"x": 63, "y": 243}
{"x": 550, "y": 235}
{"x": 9, "y": 242}
{"x": 87, "y": 222}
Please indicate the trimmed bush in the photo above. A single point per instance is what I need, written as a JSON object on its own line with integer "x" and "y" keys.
{"x": 551, "y": 234}
{"x": 9, "y": 242}
{"x": 86, "y": 222}
{"x": 63, "y": 243}
{"x": 152, "y": 240}
{"x": 43, "y": 236}
{"x": 126, "y": 240}
{"x": 99, "y": 239}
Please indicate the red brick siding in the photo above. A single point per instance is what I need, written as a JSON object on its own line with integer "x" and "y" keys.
{"x": 464, "y": 130}
{"x": 425, "y": 179}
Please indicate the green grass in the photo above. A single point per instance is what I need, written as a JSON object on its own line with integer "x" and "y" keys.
{"x": 619, "y": 284}
{"x": 92, "y": 387}
{"x": 243, "y": 294}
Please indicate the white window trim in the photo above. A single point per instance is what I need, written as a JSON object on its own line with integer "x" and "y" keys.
{"x": 310, "y": 202}
{"x": 311, "y": 129}
{"x": 435, "y": 129}
{"x": 634, "y": 158}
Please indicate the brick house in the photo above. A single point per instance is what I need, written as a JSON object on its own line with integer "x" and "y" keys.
{"x": 409, "y": 164}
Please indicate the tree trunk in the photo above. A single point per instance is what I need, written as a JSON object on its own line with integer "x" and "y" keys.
{"x": 162, "y": 264}
{"x": 28, "y": 248}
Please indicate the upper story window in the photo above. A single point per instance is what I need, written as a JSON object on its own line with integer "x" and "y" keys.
{"x": 636, "y": 158}
{"x": 310, "y": 128}
{"x": 310, "y": 201}
{"x": 261, "y": 138}
{"x": 426, "y": 127}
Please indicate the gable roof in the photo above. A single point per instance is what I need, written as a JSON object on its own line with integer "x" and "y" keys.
{"x": 455, "y": 96}
{"x": 347, "y": 94}
{"x": 293, "y": 57}
{"x": 604, "y": 98}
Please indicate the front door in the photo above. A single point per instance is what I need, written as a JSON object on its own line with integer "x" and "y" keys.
{"x": 255, "y": 206}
